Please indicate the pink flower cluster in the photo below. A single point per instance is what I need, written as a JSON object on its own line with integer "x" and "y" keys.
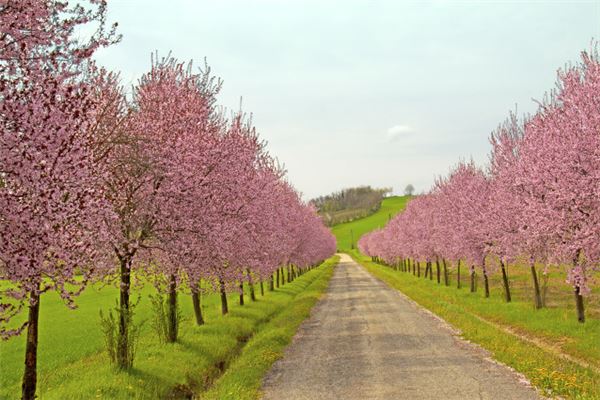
{"x": 52, "y": 203}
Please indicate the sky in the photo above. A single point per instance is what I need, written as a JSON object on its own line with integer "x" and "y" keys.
{"x": 380, "y": 93}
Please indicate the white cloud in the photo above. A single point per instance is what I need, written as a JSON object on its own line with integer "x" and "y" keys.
{"x": 396, "y": 131}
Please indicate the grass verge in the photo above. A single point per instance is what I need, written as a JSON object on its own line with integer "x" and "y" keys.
{"x": 243, "y": 378}
{"x": 544, "y": 345}
{"x": 73, "y": 365}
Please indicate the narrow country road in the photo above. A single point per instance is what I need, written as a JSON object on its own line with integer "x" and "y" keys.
{"x": 364, "y": 340}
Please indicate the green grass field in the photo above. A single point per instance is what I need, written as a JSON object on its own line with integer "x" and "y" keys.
{"x": 72, "y": 363}
{"x": 348, "y": 234}
{"x": 558, "y": 354}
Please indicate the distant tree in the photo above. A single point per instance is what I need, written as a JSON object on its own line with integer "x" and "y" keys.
{"x": 409, "y": 189}
{"x": 349, "y": 204}
{"x": 362, "y": 197}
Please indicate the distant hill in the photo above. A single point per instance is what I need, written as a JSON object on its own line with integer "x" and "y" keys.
{"x": 349, "y": 233}
{"x": 349, "y": 204}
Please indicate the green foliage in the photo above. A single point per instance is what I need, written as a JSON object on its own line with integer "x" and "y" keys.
{"x": 110, "y": 325}
{"x": 347, "y": 234}
{"x": 158, "y": 322}
{"x": 160, "y": 316}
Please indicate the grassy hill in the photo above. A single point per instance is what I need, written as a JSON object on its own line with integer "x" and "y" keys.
{"x": 350, "y": 232}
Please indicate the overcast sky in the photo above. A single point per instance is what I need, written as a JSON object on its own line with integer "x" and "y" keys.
{"x": 380, "y": 93}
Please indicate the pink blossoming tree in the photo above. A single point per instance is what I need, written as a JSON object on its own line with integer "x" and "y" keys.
{"x": 51, "y": 164}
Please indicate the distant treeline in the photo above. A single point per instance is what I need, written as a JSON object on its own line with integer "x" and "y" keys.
{"x": 349, "y": 204}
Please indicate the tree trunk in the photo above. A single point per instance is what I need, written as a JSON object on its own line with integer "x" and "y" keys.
{"x": 437, "y": 270}
{"x": 30, "y": 374}
{"x": 277, "y": 277}
{"x": 414, "y": 268}
{"x": 458, "y": 274}
{"x": 578, "y": 302}
{"x": 196, "y": 303}
{"x": 430, "y": 267}
{"x": 224, "y": 307}
{"x": 486, "y": 283}
{"x": 251, "y": 284}
{"x": 241, "y": 293}
{"x": 472, "y": 279}
{"x": 262, "y": 288}
{"x": 272, "y": 283}
{"x": 418, "y": 269}
{"x": 536, "y": 287}
{"x": 446, "y": 281}
{"x": 507, "y": 296}
{"x": 172, "y": 316}
{"x": 123, "y": 339}
{"x": 578, "y": 296}
{"x": 289, "y": 274}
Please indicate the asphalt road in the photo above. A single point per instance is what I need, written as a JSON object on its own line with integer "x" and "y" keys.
{"x": 364, "y": 340}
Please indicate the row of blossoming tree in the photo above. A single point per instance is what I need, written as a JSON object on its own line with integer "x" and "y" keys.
{"x": 161, "y": 186}
{"x": 536, "y": 202}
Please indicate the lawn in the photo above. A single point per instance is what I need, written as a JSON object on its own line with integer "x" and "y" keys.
{"x": 73, "y": 365}
{"x": 347, "y": 234}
